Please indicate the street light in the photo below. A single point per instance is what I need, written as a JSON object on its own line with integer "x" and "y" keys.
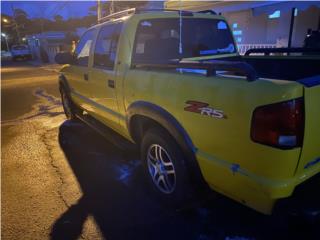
{"x": 5, "y": 20}
{"x": 5, "y": 38}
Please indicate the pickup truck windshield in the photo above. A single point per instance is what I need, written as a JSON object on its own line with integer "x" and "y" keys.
{"x": 158, "y": 40}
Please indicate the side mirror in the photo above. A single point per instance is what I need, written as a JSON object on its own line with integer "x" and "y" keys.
{"x": 64, "y": 58}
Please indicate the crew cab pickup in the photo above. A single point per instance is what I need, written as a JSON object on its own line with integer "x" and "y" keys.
{"x": 173, "y": 83}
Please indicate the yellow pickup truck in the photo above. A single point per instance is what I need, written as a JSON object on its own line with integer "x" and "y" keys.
{"x": 173, "y": 83}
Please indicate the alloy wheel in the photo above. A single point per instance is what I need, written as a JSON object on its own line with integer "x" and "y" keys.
{"x": 161, "y": 168}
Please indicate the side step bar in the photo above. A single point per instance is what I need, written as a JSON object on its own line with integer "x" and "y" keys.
{"x": 108, "y": 133}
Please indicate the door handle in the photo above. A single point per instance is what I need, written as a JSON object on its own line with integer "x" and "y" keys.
{"x": 111, "y": 83}
{"x": 86, "y": 76}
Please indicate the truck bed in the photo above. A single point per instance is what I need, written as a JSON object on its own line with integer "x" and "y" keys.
{"x": 284, "y": 67}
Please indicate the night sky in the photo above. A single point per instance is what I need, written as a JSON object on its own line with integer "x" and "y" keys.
{"x": 48, "y": 9}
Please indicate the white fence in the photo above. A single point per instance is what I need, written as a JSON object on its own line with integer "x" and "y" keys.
{"x": 242, "y": 48}
{"x": 52, "y": 51}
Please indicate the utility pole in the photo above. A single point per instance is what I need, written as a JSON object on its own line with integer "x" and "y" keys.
{"x": 99, "y": 10}
{"x": 111, "y": 7}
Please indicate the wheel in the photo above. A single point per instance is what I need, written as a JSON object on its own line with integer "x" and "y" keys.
{"x": 68, "y": 105}
{"x": 165, "y": 168}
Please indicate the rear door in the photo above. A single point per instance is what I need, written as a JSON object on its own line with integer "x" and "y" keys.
{"x": 78, "y": 77}
{"x": 310, "y": 155}
{"x": 103, "y": 74}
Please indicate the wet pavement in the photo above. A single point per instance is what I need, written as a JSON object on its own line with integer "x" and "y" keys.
{"x": 62, "y": 180}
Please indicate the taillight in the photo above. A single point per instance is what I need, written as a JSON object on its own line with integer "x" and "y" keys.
{"x": 279, "y": 125}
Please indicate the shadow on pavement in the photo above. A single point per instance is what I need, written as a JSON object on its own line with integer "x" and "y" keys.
{"x": 115, "y": 195}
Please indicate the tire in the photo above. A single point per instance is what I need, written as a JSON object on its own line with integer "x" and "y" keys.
{"x": 68, "y": 105}
{"x": 168, "y": 180}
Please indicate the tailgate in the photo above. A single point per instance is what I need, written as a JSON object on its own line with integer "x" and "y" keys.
{"x": 309, "y": 163}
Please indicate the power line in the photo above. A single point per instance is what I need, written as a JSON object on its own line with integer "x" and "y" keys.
{"x": 58, "y": 8}
{"x": 53, "y": 11}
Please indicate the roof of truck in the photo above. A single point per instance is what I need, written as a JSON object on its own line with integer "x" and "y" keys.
{"x": 155, "y": 13}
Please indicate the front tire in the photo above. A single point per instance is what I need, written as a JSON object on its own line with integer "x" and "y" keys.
{"x": 68, "y": 105}
{"x": 165, "y": 168}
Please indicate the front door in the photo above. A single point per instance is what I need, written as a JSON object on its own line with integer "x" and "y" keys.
{"x": 78, "y": 77}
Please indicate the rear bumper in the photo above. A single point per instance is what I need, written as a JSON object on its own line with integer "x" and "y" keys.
{"x": 254, "y": 191}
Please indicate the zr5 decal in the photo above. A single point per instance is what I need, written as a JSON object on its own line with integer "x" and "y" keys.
{"x": 204, "y": 109}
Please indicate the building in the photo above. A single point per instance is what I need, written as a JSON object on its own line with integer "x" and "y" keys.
{"x": 44, "y": 46}
{"x": 260, "y": 24}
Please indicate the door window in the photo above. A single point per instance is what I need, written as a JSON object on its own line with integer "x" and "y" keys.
{"x": 82, "y": 50}
{"x": 106, "y": 46}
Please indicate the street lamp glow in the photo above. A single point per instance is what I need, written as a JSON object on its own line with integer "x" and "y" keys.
{"x": 3, "y": 35}
{"x": 5, "y": 20}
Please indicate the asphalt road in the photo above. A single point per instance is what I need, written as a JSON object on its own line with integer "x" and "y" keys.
{"x": 61, "y": 180}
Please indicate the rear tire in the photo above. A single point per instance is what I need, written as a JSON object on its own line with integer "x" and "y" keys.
{"x": 165, "y": 168}
{"x": 68, "y": 106}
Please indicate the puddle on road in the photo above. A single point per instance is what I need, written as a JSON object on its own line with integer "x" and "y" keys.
{"x": 123, "y": 171}
{"x": 41, "y": 93}
{"x": 48, "y": 108}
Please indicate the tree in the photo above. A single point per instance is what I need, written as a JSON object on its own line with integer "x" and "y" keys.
{"x": 20, "y": 21}
{"x": 58, "y": 18}
{"x": 20, "y": 16}
{"x": 58, "y": 23}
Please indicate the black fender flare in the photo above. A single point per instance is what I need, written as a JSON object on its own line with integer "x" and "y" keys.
{"x": 63, "y": 83}
{"x": 171, "y": 124}
{"x": 164, "y": 118}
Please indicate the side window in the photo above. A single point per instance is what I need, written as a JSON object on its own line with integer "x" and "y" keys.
{"x": 106, "y": 46}
{"x": 82, "y": 50}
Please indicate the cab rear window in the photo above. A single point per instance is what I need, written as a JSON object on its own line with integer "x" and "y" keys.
{"x": 160, "y": 40}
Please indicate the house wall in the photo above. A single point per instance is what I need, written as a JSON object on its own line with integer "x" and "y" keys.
{"x": 304, "y": 20}
{"x": 47, "y": 45}
{"x": 155, "y": 5}
{"x": 260, "y": 29}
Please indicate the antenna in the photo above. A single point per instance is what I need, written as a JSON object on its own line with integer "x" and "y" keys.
{"x": 180, "y": 29}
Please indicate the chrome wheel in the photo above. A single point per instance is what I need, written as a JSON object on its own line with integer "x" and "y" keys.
{"x": 161, "y": 168}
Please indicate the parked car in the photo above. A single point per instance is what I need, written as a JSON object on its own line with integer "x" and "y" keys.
{"x": 174, "y": 84}
{"x": 6, "y": 56}
{"x": 21, "y": 52}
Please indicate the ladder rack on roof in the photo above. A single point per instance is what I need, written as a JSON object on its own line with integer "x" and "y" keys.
{"x": 117, "y": 15}
{"x": 130, "y": 11}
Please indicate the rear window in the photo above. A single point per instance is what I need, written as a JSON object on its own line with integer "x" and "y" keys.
{"x": 158, "y": 40}
{"x": 19, "y": 48}
{"x": 106, "y": 46}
